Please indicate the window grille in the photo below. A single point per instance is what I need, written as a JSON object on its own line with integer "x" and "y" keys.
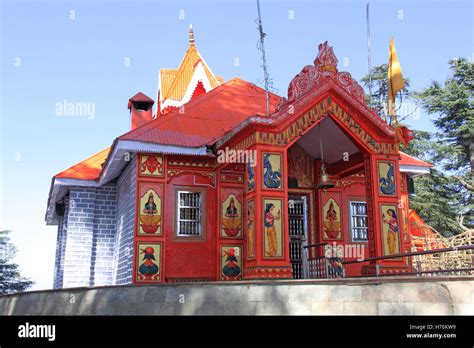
{"x": 189, "y": 205}
{"x": 359, "y": 223}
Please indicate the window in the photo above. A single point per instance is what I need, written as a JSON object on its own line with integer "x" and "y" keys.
{"x": 358, "y": 211}
{"x": 189, "y": 211}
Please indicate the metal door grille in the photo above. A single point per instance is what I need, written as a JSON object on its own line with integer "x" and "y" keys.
{"x": 297, "y": 228}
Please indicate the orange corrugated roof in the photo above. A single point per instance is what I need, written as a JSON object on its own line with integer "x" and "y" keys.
{"x": 206, "y": 118}
{"x": 89, "y": 169}
{"x": 408, "y": 160}
{"x": 174, "y": 83}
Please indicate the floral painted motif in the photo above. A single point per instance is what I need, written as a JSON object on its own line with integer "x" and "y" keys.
{"x": 151, "y": 165}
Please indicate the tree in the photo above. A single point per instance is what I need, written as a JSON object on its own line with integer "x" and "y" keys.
{"x": 10, "y": 279}
{"x": 454, "y": 103}
{"x": 437, "y": 194}
{"x": 379, "y": 87}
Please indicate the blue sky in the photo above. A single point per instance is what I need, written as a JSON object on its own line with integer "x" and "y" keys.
{"x": 53, "y": 51}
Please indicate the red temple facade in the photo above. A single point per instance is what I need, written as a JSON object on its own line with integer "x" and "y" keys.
{"x": 211, "y": 188}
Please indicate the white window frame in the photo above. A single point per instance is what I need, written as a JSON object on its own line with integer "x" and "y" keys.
{"x": 356, "y": 240}
{"x": 178, "y": 210}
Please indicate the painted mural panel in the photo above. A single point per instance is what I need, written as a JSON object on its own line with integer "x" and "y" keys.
{"x": 386, "y": 178}
{"x": 272, "y": 175}
{"x": 390, "y": 229}
{"x": 300, "y": 166}
{"x": 231, "y": 262}
{"x": 404, "y": 211}
{"x": 151, "y": 165}
{"x": 250, "y": 177}
{"x": 331, "y": 216}
{"x": 150, "y": 209}
{"x": 250, "y": 229}
{"x": 231, "y": 213}
{"x": 148, "y": 263}
{"x": 273, "y": 228}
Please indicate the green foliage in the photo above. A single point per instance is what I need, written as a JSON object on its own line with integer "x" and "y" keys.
{"x": 438, "y": 195}
{"x": 11, "y": 280}
{"x": 454, "y": 103}
{"x": 379, "y": 82}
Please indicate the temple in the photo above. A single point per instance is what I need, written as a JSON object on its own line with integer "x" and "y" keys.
{"x": 209, "y": 187}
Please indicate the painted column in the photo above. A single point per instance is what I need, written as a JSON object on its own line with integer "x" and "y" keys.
{"x": 267, "y": 194}
{"x": 385, "y": 232}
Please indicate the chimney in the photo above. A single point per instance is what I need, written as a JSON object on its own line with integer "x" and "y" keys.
{"x": 141, "y": 109}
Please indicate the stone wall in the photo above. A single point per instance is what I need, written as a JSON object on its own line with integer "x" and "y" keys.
{"x": 103, "y": 242}
{"x": 95, "y": 235}
{"x": 366, "y": 296}
{"x": 87, "y": 238}
{"x": 125, "y": 220}
{"x": 61, "y": 246}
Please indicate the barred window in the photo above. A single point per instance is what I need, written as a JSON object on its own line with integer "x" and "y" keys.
{"x": 358, "y": 211}
{"x": 189, "y": 213}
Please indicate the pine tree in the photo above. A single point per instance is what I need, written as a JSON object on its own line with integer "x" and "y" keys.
{"x": 454, "y": 103}
{"x": 437, "y": 195}
{"x": 10, "y": 279}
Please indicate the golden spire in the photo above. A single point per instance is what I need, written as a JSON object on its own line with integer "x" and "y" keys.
{"x": 191, "y": 35}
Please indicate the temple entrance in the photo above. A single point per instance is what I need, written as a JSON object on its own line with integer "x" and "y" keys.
{"x": 298, "y": 232}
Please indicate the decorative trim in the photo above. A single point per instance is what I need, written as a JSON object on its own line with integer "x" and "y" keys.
{"x": 232, "y": 178}
{"x": 177, "y": 172}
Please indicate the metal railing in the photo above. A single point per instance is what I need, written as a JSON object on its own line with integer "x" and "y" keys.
{"x": 321, "y": 266}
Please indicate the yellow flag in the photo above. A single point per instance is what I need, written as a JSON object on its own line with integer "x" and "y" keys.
{"x": 395, "y": 78}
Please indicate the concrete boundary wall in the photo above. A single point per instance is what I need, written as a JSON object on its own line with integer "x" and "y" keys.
{"x": 365, "y": 296}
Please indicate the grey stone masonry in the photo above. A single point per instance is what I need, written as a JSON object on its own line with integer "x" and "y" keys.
{"x": 363, "y": 296}
{"x": 125, "y": 219}
{"x": 95, "y": 235}
{"x": 61, "y": 247}
{"x": 88, "y": 258}
{"x": 103, "y": 241}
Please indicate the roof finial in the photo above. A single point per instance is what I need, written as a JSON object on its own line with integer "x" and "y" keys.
{"x": 191, "y": 35}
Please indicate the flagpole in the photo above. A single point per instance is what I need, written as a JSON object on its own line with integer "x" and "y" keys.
{"x": 369, "y": 53}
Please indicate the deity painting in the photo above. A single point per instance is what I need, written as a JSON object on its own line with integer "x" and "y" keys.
{"x": 231, "y": 215}
{"x": 231, "y": 262}
{"x": 386, "y": 178}
{"x": 150, "y": 212}
{"x": 272, "y": 177}
{"x": 250, "y": 229}
{"x": 273, "y": 229}
{"x": 390, "y": 229}
{"x": 148, "y": 262}
{"x": 151, "y": 165}
{"x": 300, "y": 166}
{"x": 250, "y": 177}
{"x": 331, "y": 220}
